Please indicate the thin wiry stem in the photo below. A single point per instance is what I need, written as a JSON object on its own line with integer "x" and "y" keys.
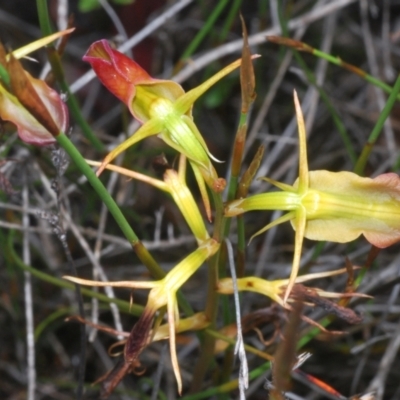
{"x": 373, "y": 66}
{"x": 385, "y": 367}
{"x": 30, "y": 337}
{"x": 239, "y": 347}
{"x": 97, "y": 268}
{"x": 99, "y": 271}
{"x": 237, "y": 45}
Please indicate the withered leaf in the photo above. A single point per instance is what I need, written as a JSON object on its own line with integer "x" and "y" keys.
{"x": 309, "y": 295}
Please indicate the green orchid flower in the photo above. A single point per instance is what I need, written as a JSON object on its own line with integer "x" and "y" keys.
{"x": 175, "y": 184}
{"x": 162, "y": 106}
{"x": 329, "y": 206}
{"x": 162, "y": 293}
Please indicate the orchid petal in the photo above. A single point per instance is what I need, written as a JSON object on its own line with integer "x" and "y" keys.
{"x": 203, "y": 190}
{"x": 186, "y": 204}
{"x": 284, "y": 218}
{"x": 303, "y": 164}
{"x": 283, "y": 186}
{"x": 37, "y": 44}
{"x": 121, "y": 75}
{"x": 151, "y": 127}
{"x": 300, "y": 225}
{"x": 172, "y": 340}
{"x": 184, "y": 102}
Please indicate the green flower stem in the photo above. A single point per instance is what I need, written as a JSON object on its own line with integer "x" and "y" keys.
{"x": 54, "y": 316}
{"x": 57, "y": 69}
{"x": 294, "y": 44}
{"x": 144, "y": 256}
{"x": 362, "y": 160}
{"x": 234, "y": 10}
{"x": 211, "y": 309}
{"x": 122, "y": 305}
{"x": 112, "y": 206}
{"x": 358, "y": 71}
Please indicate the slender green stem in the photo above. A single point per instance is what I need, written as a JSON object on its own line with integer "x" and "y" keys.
{"x": 143, "y": 254}
{"x": 369, "y": 78}
{"x": 211, "y": 309}
{"x": 44, "y": 19}
{"x": 57, "y": 69}
{"x": 54, "y": 316}
{"x": 233, "y": 13}
{"x": 362, "y": 160}
{"x": 98, "y": 186}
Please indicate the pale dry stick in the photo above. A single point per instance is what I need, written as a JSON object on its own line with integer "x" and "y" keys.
{"x": 276, "y": 83}
{"x": 116, "y": 21}
{"x": 91, "y": 233}
{"x": 373, "y": 66}
{"x": 322, "y": 65}
{"x": 20, "y": 227}
{"x": 275, "y": 153}
{"x": 239, "y": 346}
{"x": 159, "y": 372}
{"x": 274, "y": 11}
{"x": 219, "y": 52}
{"x": 236, "y": 46}
{"x": 183, "y": 240}
{"x": 85, "y": 246}
{"x": 134, "y": 40}
{"x": 50, "y": 251}
{"x": 158, "y": 217}
{"x": 62, "y": 14}
{"x": 30, "y": 336}
{"x": 263, "y": 111}
{"x": 72, "y": 188}
{"x": 376, "y": 339}
{"x": 378, "y": 383}
{"x": 388, "y": 69}
{"x": 21, "y": 209}
{"x": 97, "y": 269}
{"x": 384, "y": 276}
{"x": 376, "y": 336}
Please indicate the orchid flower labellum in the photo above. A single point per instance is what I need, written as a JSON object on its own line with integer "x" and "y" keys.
{"x": 331, "y": 206}
{"x": 162, "y": 106}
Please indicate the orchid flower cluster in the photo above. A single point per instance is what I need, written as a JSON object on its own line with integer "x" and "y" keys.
{"x": 320, "y": 205}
